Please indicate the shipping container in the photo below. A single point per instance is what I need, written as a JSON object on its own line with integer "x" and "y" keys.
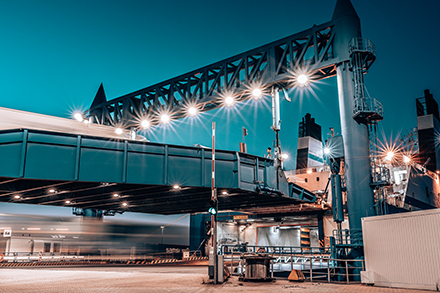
{"x": 403, "y": 250}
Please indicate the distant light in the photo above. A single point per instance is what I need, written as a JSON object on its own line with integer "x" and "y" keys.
{"x": 389, "y": 156}
{"x": 115, "y": 195}
{"x": 229, "y": 101}
{"x": 145, "y": 123}
{"x": 192, "y": 111}
{"x": 125, "y": 204}
{"x": 225, "y": 193}
{"x": 326, "y": 150}
{"x": 309, "y": 171}
{"x": 438, "y": 172}
{"x": 256, "y": 93}
{"x": 165, "y": 118}
{"x": 67, "y": 201}
{"x": 302, "y": 79}
{"x": 284, "y": 156}
{"x": 17, "y": 196}
{"x": 78, "y": 116}
{"x": 119, "y": 131}
{"x": 52, "y": 190}
{"x": 406, "y": 159}
{"x": 176, "y": 186}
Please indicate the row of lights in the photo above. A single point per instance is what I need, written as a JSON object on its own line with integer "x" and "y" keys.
{"x": 229, "y": 101}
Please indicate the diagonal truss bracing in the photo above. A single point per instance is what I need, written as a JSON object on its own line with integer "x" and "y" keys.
{"x": 205, "y": 88}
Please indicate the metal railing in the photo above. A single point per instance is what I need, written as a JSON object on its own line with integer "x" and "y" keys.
{"x": 267, "y": 249}
{"x": 362, "y": 45}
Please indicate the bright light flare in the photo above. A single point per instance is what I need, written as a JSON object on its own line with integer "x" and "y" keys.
{"x": 176, "y": 186}
{"x": 256, "y": 93}
{"x": 389, "y": 156}
{"x": 78, "y": 116}
{"x": 302, "y": 79}
{"x": 165, "y": 118}
{"x": 52, "y": 190}
{"x": 192, "y": 111}
{"x": 119, "y": 131}
{"x": 115, "y": 195}
{"x": 125, "y": 204}
{"x": 309, "y": 171}
{"x": 17, "y": 196}
{"x": 284, "y": 156}
{"x": 67, "y": 201}
{"x": 229, "y": 101}
{"x": 326, "y": 150}
{"x": 145, "y": 123}
{"x": 406, "y": 159}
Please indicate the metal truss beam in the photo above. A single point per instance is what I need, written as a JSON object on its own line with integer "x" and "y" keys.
{"x": 278, "y": 62}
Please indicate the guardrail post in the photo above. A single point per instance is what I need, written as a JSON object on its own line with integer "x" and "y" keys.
{"x": 346, "y": 272}
{"x": 328, "y": 270}
{"x": 311, "y": 270}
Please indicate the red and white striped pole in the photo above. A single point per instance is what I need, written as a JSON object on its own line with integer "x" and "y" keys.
{"x": 214, "y": 216}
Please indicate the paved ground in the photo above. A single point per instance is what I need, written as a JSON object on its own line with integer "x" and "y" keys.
{"x": 153, "y": 279}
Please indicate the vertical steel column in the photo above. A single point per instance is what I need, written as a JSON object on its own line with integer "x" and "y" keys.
{"x": 360, "y": 200}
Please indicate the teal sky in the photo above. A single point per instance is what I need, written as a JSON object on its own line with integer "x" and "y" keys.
{"x": 54, "y": 55}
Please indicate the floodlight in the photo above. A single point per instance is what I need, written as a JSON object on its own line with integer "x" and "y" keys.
{"x": 326, "y": 150}
{"x": 284, "y": 156}
{"x": 406, "y": 159}
{"x": 256, "y": 93}
{"x": 389, "y": 156}
{"x": 119, "y": 131}
{"x": 145, "y": 123}
{"x": 192, "y": 111}
{"x": 164, "y": 118}
{"x": 302, "y": 79}
{"x": 229, "y": 101}
{"x": 78, "y": 116}
{"x": 125, "y": 204}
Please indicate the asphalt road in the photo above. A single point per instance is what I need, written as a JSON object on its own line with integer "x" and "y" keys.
{"x": 179, "y": 279}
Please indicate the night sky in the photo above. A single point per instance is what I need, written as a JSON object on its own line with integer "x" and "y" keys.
{"x": 55, "y": 54}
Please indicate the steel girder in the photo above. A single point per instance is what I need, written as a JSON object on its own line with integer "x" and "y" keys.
{"x": 278, "y": 62}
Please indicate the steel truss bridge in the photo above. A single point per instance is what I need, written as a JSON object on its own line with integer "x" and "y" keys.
{"x": 277, "y": 63}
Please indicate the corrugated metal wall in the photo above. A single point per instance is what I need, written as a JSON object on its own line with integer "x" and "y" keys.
{"x": 403, "y": 250}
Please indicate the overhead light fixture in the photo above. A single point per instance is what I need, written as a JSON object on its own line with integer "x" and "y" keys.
{"x": 164, "y": 118}
{"x": 145, "y": 123}
{"x": 302, "y": 79}
{"x": 78, "y": 116}
{"x": 52, "y": 190}
{"x": 115, "y": 195}
{"x": 17, "y": 196}
{"x": 229, "y": 101}
{"x": 389, "y": 156}
{"x": 67, "y": 201}
{"x": 192, "y": 111}
{"x": 176, "y": 186}
{"x": 257, "y": 93}
{"x": 119, "y": 131}
{"x": 225, "y": 193}
{"x": 125, "y": 204}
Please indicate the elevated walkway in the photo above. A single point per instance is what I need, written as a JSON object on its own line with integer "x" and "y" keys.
{"x": 84, "y": 171}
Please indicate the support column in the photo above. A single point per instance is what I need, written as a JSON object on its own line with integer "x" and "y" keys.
{"x": 360, "y": 199}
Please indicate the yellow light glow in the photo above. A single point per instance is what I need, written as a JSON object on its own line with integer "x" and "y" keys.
{"x": 67, "y": 201}
{"x": 406, "y": 159}
{"x": 309, "y": 171}
{"x": 115, "y": 195}
{"x": 125, "y": 204}
{"x": 176, "y": 186}
{"x": 52, "y": 190}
